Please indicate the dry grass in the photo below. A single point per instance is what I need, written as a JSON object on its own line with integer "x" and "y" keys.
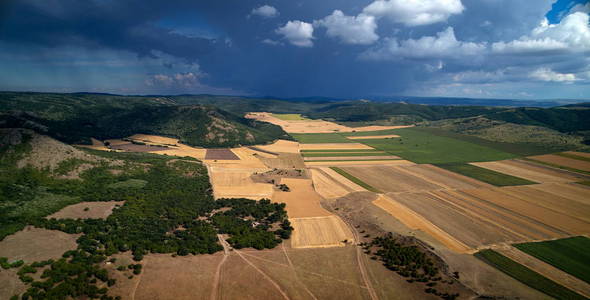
{"x": 284, "y": 161}
{"x": 415, "y": 221}
{"x": 350, "y": 158}
{"x": 329, "y": 184}
{"x": 237, "y": 183}
{"x": 577, "y": 164}
{"x": 391, "y": 179}
{"x": 530, "y": 171}
{"x": 319, "y": 232}
{"x": 35, "y": 244}
{"x": 96, "y": 210}
{"x": 359, "y": 163}
{"x": 281, "y": 146}
{"x": 582, "y": 154}
{"x": 302, "y": 201}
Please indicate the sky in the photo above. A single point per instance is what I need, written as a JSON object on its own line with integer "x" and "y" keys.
{"x": 518, "y": 49}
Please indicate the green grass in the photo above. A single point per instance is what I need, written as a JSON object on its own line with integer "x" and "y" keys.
{"x": 328, "y": 160}
{"x": 128, "y": 184}
{"x": 423, "y": 147}
{"x": 526, "y": 275}
{"x": 355, "y": 180}
{"x": 319, "y": 138}
{"x": 571, "y": 255}
{"x": 341, "y": 150}
{"x": 339, "y": 154}
{"x": 369, "y": 133}
{"x": 290, "y": 117}
{"x": 485, "y": 175}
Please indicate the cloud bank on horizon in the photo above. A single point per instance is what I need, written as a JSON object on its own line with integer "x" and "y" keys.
{"x": 459, "y": 48}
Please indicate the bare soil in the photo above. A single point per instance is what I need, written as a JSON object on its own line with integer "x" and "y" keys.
{"x": 577, "y": 164}
{"x": 224, "y": 154}
{"x": 96, "y": 210}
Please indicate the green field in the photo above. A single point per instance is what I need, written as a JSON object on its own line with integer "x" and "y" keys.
{"x": 319, "y": 138}
{"x": 424, "y": 147}
{"x": 329, "y": 160}
{"x": 355, "y": 180}
{"x": 571, "y": 255}
{"x": 290, "y": 117}
{"x": 336, "y": 154}
{"x": 526, "y": 275}
{"x": 485, "y": 175}
{"x": 340, "y": 150}
{"x": 369, "y": 133}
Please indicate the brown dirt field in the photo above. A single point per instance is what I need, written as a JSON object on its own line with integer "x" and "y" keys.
{"x": 281, "y": 146}
{"x": 559, "y": 221}
{"x": 11, "y": 284}
{"x": 454, "y": 220}
{"x": 415, "y": 221}
{"x": 129, "y": 147}
{"x": 284, "y": 161}
{"x": 96, "y": 145}
{"x": 553, "y": 202}
{"x": 334, "y": 146}
{"x": 155, "y": 139}
{"x": 223, "y": 154}
{"x": 312, "y": 126}
{"x": 326, "y": 186}
{"x": 319, "y": 232}
{"x": 302, "y": 201}
{"x": 237, "y": 183}
{"x": 351, "y": 157}
{"x": 390, "y": 179}
{"x": 530, "y": 171}
{"x": 563, "y": 161}
{"x": 97, "y": 210}
{"x": 369, "y": 137}
{"x": 546, "y": 270}
{"x": 330, "y": 184}
{"x": 570, "y": 191}
{"x": 359, "y": 163}
{"x": 582, "y": 154}
{"x": 518, "y": 228}
{"x": 443, "y": 178}
{"x": 36, "y": 244}
{"x": 166, "y": 277}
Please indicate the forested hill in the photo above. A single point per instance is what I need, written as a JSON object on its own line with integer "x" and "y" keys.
{"x": 75, "y": 118}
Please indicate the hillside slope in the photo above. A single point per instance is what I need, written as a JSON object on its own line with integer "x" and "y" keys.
{"x": 75, "y": 118}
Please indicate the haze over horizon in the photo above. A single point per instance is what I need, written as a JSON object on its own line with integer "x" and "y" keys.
{"x": 342, "y": 49}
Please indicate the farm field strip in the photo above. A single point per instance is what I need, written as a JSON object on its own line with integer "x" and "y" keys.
{"x": 526, "y": 275}
{"x": 530, "y": 171}
{"x": 327, "y": 187}
{"x": 319, "y": 232}
{"x": 546, "y": 270}
{"x": 453, "y": 221}
{"x": 354, "y": 179}
{"x": 302, "y": 201}
{"x": 570, "y": 191}
{"x": 570, "y": 255}
{"x": 560, "y": 222}
{"x": 371, "y": 137}
{"x": 344, "y": 154}
{"x": 351, "y": 158}
{"x": 441, "y": 177}
{"x": 520, "y": 228}
{"x": 579, "y": 154}
{"x": 390, "y": 179}
{"x": 359, "y": 163}
{"x": 341, "y": 151}
{"x": 556, "y": 203}
{"x": 485, "y": 175}
{"x": 335, "y": 146}
{"x": 415, "y": 221}
{"x": 563, "y": 161}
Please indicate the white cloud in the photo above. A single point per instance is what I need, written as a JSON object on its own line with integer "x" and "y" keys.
{"x": 265, "y": 11}
{"x": 546, "y": 74}
{"x": 414, "y": 12}
{"x": 184, "y": 80}
{"x": 350, "y": 29}
{"x": 297, "y": 33}
{"x": 271, "y": 42}
{"x": 571, "y": 34}
{"x": 443, "y": 45}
